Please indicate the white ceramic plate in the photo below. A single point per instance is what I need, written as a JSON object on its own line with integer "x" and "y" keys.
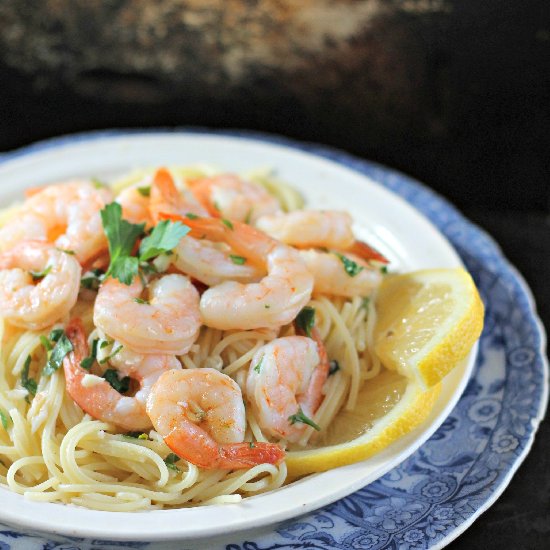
{"x": 382, "y": 218}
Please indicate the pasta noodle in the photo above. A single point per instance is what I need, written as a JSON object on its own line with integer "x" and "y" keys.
{"x": 51, "y": 451}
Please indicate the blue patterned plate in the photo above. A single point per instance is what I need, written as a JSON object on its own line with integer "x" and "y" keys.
{"x": 436, "y": 493}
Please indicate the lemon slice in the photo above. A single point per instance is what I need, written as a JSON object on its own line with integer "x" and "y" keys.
{"x": 388, "y": 407}
{"x": 427, "y": 322}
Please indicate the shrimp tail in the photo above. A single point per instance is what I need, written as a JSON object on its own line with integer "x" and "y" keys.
{"x": 367, "y": 252}
{"x": 164, "y": 195}
{"x": 204, "y": 452}
{"x": 201, "y": 190}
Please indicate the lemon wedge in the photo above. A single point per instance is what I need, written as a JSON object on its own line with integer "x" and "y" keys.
{"x": 427, "y": 322}
{"x": 388, "y": 407}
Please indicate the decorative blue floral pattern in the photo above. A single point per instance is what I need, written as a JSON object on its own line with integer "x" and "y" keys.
{"x": 434, "y": 494}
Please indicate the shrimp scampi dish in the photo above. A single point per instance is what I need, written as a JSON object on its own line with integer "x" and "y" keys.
{"x": 169, "y": 338}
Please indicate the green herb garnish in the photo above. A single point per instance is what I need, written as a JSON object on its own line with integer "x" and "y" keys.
{"x": 227, "y": 223}
{"x": 384, "y": 269}
{"x": 69, "y": 252}
{"x": 248, "y": 216}
{"x": 105, "y": 359}
{"x": 38, "y": 275}
{"x": 365, "y": 302}
{"x": 62, "y": 347}
{"x": 251, "y": 444}
{"x": 301, "y": 417}
{"x": 352, "y": 269}
{"x": 165, "y": 236}
{"x": 87, "y": 362}
{"x": 92, "y": 279}
{"x": 237, "y": 260}
{"x": 98, "y": 184}
{"x": 305, "y": 320}
{"x": 171, "y": 460}
{"x": 144, "y": 191}
{"x": 191, "y": 216}
{"x": 46, "y": 343}
{"x": 56, "y": 334}
{"x": 121, "y": 385}
{"x": 28, "y": 383}
{"x": 333, "y": 367}
{"x": 258, "y": 367}
{"x": 141, "y": 301}
{"x": 136, "y": 435}
{"x": 5, "y": 418}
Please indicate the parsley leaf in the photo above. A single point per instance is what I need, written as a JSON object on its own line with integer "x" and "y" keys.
{"x": 191, "y": 216}
{"x": 136, "y": 435}
{"x": 237, "y": 260}
{"x": 69, "y": 252}
{"x": 258, "y": 367}
{"x": 113, "y": 353}
{"x": 61, "y": 349}
{"x": 121, "y": 385}
{"x": 301, "y": 417}
{"x": 352, "y": 269}
{"x": 141, "y": 301}
{"x": 87, "y": 362}
{"x": 334, "y": 367}
{"x": 122, "y": 237}
{"x": 56, "y": 334}
{"x": 28, "y": 383}
{"x": 384, "y": 270}
{"x": 227, "y": 223}
{"x": 165, "y": 236}
{"x": 171, "y": 460}
{"x": 46, "y": 343}
{"x": 92, "y": 279}
{"x": 5, "y": 418}
{"x": 144, "y": 191}
{"x": 305, "y": 320}
{"x": 38, "y": 275}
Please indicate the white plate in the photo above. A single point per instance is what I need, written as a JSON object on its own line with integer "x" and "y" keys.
{"x": 382, "y": 218}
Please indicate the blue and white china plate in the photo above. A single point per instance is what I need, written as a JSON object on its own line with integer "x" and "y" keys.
{"x": 438, "y": 491}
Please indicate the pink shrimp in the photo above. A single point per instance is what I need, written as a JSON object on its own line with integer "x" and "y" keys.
{"x": 201, "y": 416}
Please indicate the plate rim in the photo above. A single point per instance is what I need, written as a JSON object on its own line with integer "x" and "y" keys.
{"x": 346, "y": 160}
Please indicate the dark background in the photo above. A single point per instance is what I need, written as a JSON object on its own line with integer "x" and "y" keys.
{"x": 453, "y": 92}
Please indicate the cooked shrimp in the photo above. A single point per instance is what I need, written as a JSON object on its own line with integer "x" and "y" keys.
{"x": 310, "y": 228}
{"x": 39, "y": 284}
{"x": 95, "y": 396}
{"x": 201, "y": 416}
{"x": 168, "y": 321}
{"x": 272, "y": 302}
{"x": 65, "y": 214}
{"x": 135, "y": 205}
{"x": 331, "y": 277}
{"x": 231, "y": 197}
{"x": 286, "y": 376}
{"x": 167, "y": 199}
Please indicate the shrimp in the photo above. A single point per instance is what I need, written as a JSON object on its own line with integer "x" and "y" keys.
{"x": 207, "y": 262}
{"x": 65, "y": 214}
{"x": 95, "y": 396}
{"x": 231, "y": 197}
{"x": 286, "y": 377}
{"x": 310, "y": 228}
{"x": 39, "y": 284}
{"x": 201, "y": 416}
{"x": 167, "y": 322}
{"x": 270, "y": 303}
{"x": 166, "y": 199}
{"x": 318, "y": 229}
{"x": 135, "y": 205}
{"x": 331, "y": 276}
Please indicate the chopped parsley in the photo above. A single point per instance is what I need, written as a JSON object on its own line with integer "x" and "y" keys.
{"x": 5, "y": 418}
{"x": 237, "y": 260}
{"x": 258, "y": 367}
{"x": 141, "y": 301}
{"x": 87, "y": 362}
{"x": 98, "y": 184}
{"x": 46, "y": 343}
{"x": 227, "y": 223}
{"x": 365, "y": 302}
{"x": 105, "y": 359}
{"x": 352, "y": 269}
{"x": 123, "y": 235}
{"x": 305, "y": 320}
{"x": 121, "y": 385}
{"x": 136, "y": 435}
{"x": 69, "y": 252}
{"x": 39, "y": 275}
{"x": 56, "y": 334}
{"x": 251, "y": 444}
{"x": 171, "y": 460}
{"x": 267, "y": 306}
{"x": 92, "y": 279}
{"x": 28, "y": 383}
{"x": 144, "y": 191}
{"x": 217, "y": 206}
{"x": 191, "y": 216}
{"x": 334, "y": 367}
{"x": 301, "y": 417}
{"x": 62, "y": 347}
{"x": 248, "y": 216}
{"x": 384, "y": 269}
